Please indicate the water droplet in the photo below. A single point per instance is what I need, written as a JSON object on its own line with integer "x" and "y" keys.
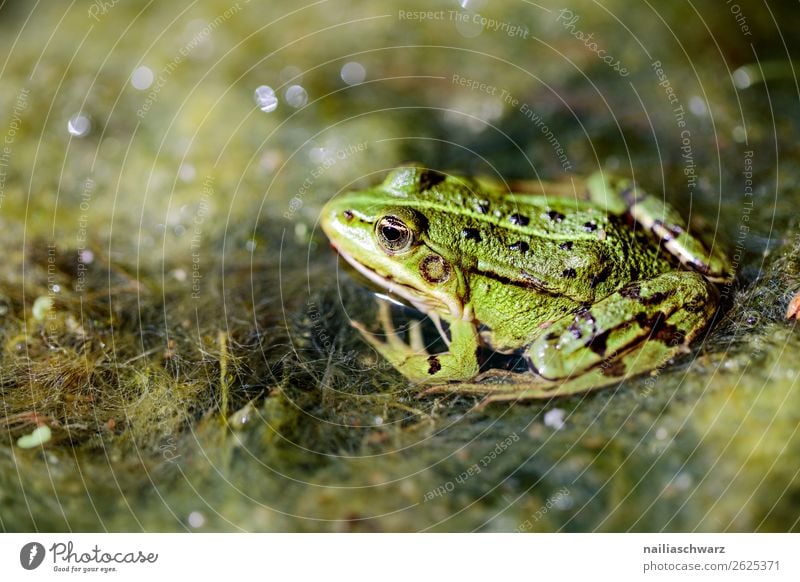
{"x": 250, "y": 245}
{"x": 661, "y": 433}
{"x": 353, "y": 73}
{"x": 683, "y": 481}
{"x": 739, "y": 134}
{"x": 179, "y": 274}
{"x": 142, "y": 78}
{"x": 698, "y": 106}
{"x": 87, "y": 257}
{"x": 56, "y": 288}
{"x": 79, "y": 125}
{"x": 187, "y": 172}
{"x": 266, "y": 99}
{"x": 554, "y": 418}
{"x": 296, "y": 96}
{"x": 196, "y": 519}
{"x": 741, "y": 78}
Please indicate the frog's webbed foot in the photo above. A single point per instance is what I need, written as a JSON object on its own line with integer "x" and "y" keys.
{"x": 620, "y": 196}
{"x": 394, "y": 342}
{"x": 414, "y": 361}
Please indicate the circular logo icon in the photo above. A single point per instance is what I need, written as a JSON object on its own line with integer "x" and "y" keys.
{"x": 31, "y": 555}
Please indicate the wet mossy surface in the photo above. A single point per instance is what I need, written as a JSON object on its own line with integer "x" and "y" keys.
{"x": 169, "y": 308}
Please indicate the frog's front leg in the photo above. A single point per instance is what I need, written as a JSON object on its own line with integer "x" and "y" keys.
{"x": 671, "y": 309}
{"x": 413, "y": 360}
{"x": 621, "y": 196}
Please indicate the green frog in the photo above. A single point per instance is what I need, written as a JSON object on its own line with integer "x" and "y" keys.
{"x": 591, "y": 281}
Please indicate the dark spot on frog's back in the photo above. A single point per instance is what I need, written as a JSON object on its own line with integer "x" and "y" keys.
{"x": 600, "y": 277}
{"x": 518, "y": 219}
{"x": 632, "y": 291}
{"x": 670, "y": 335}
{"x": 566, "y": 246}
{"x": 471, "y": 234}
{"x": 429, "y": 178}
{"x": 598, "y": 342}
{"x": 434, "y": 365}
{"x": 590, "y": 226}
{"x": 613, "y": 367}
{"x": 555, "y": 216}
{"x": 520, "y": 246}
{"x": 569, "y": 273}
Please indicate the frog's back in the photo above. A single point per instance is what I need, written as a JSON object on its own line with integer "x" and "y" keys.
{"x": 554, "y": 244}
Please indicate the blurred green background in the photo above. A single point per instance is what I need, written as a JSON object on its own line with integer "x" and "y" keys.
{"x": 171, "y": 312}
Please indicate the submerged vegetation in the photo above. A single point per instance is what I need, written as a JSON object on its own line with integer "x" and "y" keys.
{"x": 170, "y": 311}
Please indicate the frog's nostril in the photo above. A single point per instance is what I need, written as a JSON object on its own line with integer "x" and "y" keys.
{"x": 348, "y": 215}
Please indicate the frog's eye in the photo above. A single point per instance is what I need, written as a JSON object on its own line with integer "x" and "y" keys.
{"x": 393, "y": 234}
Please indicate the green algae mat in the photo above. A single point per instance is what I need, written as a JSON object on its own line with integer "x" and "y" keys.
{"x": 175, "y": 342}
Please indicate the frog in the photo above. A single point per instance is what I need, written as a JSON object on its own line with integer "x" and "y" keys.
{"x": 588, "y": 281}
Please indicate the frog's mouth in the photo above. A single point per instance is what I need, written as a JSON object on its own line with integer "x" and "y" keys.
{"x": 408, "y": 295}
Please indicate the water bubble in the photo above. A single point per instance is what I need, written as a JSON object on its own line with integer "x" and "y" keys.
{"x": 741, "y": 78}
{"x": 683, "y": 481}
{"x": 698, "y": 106}
{"x": 266, "y": 99}
{"x": 739, "y": 134}
{"x": 353, "y": 73}
{"x": 196, "y": 519}
{"x": 79, "y": 125}
{"x": 187, "y": 172}
{"x": 142, "y": 78}
{"x": 250, "y": 245}
{"x": 296, "y": 96}
{"x": 554, "y": 418}
{"x": 86, "y": 257}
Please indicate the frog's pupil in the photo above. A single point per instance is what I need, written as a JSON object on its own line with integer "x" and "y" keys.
{"x": 391, "y": 234}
